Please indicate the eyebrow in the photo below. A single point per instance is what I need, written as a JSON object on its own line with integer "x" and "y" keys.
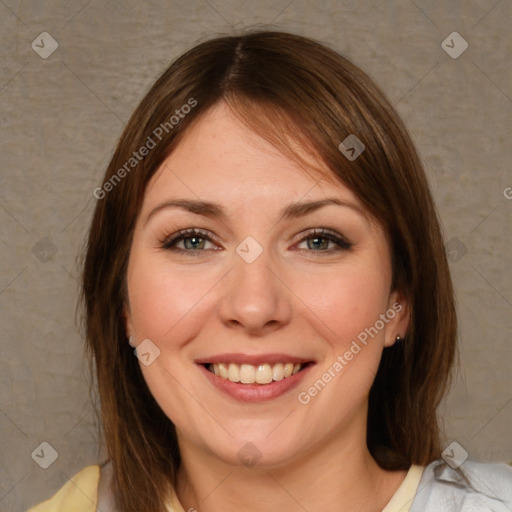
{"x": 215, "y": 210}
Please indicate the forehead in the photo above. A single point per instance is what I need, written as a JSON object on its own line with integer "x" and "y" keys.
{"x": 220, "y": 158}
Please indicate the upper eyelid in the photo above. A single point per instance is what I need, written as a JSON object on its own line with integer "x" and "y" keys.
{"x": 188, "y": 233}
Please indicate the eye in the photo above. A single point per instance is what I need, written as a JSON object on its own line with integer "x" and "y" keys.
{"x": 191, "y": 239}
{"x": 319, "y": 240}
{"x": 195, "y": 241}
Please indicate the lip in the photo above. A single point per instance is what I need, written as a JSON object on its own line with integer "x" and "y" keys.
{"x": 253, "y": 359}
{"x": 255, "y": 392}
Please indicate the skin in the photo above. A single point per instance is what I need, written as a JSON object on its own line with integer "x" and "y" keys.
{"x": 295, "y": 298}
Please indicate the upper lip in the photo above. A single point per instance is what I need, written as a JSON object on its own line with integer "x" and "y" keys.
{"x": 253, "y": 359}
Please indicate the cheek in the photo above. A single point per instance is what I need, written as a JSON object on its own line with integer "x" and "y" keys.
{"x": 344, "y": 303}
{"x": 166, "y": 307}
{"x": 160, "y": 299}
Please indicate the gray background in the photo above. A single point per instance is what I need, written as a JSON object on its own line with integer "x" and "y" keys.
{"x": 61, "y": 117}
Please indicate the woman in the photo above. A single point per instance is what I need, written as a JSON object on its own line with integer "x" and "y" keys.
{"x": 266, "y": 240}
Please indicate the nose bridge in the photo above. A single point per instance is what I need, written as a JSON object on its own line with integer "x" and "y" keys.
{"x": 254, "y": 298}
{"x": 251, "y": 262}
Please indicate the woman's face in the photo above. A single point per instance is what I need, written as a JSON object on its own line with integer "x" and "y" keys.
{"x": 286, "y": 272}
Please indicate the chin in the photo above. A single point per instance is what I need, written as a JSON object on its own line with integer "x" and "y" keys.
{"x": 255, "y": 452}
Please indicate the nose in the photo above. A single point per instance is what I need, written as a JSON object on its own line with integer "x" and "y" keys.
{"x": 255, "y": 298}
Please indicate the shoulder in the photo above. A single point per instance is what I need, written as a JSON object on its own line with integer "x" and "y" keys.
{"x": 78, "y": 494}
{"x": 473, "y": 486}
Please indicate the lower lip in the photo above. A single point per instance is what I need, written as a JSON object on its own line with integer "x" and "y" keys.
{"x": 255, "y": 392}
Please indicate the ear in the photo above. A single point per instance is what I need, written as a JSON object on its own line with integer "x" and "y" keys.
{"x": 127, "y": 322}
{"x": 129, "y": 332}
{"x": 398, "y": 313}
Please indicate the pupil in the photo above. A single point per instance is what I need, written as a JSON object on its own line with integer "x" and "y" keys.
{"x": 315, "y": 241}
{"x": 194, "y": 241}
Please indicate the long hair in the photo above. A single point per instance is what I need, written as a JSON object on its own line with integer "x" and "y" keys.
{"x": 292, "y": 91}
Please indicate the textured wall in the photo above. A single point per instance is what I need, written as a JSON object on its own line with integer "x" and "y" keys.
{"x": 61, "y": 116}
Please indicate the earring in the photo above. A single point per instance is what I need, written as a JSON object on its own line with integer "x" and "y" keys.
{"x": 131, "y": 341}
{"x": 398, "y": 339}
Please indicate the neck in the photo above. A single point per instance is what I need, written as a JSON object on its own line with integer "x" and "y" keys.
{"x": 339, "y": 475}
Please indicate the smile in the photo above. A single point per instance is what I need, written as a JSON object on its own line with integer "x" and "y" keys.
{"x": 263, "y": 373}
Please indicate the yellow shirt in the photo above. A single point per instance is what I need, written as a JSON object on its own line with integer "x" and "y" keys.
{"x": 80, "y": 494}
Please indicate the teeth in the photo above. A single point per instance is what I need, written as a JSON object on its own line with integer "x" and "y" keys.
{"x": 277, "y": 372}
{"x": 247, "y": 374}
{"x": 223, "y": 370}
{"x": 264, "y": 374}
{"x": 250, "y": 374}
{"x": 233, "y": 372}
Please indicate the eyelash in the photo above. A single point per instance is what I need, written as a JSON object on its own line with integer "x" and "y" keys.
{"x": 170, "y": 242}
{"x": 341, "y": 242}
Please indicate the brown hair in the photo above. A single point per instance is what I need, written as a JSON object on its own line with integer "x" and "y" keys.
{"x": 291, "y": 90}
